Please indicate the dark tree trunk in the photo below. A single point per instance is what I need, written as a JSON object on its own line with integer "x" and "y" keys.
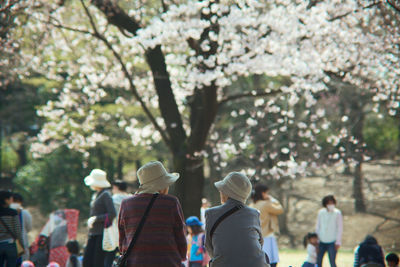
{"x": 190, "y": 185}
{"x": 359, "y": 204}
{"x": 21, "y": 151}
{"x": 120, "y": 166}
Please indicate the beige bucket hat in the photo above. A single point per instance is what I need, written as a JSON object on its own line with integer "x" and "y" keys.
{"x": 235, "y": 185}
{"x": 154, "y": 177}
{"x": 97, "y": 178}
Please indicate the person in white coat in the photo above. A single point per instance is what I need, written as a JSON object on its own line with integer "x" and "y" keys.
{"x": 329, "y": 229}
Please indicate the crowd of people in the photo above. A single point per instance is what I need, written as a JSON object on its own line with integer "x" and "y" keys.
{"x": 148, "y": 228}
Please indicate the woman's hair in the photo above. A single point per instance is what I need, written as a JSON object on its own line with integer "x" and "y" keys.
{"x": 196, "y": 229}
{"x": 328, "y": 198}
{"x": 4, "y": 194}
{"x": 121, "y": 185}
{"x": 258, "y": 190}
{"x": 307, "y": 237}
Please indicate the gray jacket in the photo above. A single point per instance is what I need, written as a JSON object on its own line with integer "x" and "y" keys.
{"x": 102, "y": 207}
{"x": 237, "y": 241}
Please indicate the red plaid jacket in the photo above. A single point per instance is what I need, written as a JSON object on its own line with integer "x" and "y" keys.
{"x": 162, "y": 240}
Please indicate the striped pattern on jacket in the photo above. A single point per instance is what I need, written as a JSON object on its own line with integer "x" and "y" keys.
{"x": 162, "y": 241}
{"x": 10, "y": 218}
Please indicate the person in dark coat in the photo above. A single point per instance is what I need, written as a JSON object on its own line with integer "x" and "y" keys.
{"x": 369, "y": 252}
{"x": 101, "y": 211}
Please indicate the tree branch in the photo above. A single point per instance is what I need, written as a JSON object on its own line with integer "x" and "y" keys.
{"x": 58, "y": 25}
{"x": 156, "y": 61}
{"x": 127, "y": 75}
{"x": 393, "y": 5}
{"x": 253, "y": 94}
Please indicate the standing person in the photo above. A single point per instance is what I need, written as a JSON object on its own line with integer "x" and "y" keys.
{"x": 196, "y": 250}
{"x": 162, "y": 240}
{"x": 329, "y": 229}
{"x": 269, "y": 209}
{"x": 25, "y": 220}
{"x": 10, "y": 230}
{"x": 233, "y": 232}
{"x": 119, "y": 193}
{"x": 101, "y": 211}
{"x": 204, "y": 206}
{"x": 311, "y": 243}
{"x": 369, "y": 252}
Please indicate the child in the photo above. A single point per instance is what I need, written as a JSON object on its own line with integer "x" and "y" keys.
{"x": 27, "y": 264}
{"x": 73, "y": 249}
{"x": 40, "y": 258}
{"x": 197, "y": 255}
{"x": 392, "y": 260}
{"x": 311, "y": 242}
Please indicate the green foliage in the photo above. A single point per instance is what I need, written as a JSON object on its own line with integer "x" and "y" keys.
{"x": 55, "y": 182}
{"x": 381, "y": 134}
{"x": 9, "y": 158}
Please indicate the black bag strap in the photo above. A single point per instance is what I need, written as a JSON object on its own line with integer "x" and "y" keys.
{"x": 223, "y": 217}
{"x": 138, "y": 229}
{"x": 8, "y": 229}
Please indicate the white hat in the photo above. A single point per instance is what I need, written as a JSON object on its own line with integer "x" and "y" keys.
{"x": 97, "y": 178}
{"x": 153, "y": 176}
{"x": 235, "y": 185}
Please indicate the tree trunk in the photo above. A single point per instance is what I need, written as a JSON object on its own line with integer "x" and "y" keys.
{"x": 189, "y": 187}
{"x": 21, "y": 151}
{"x": 120, "y": 166}
{"x": 357, "y": 189}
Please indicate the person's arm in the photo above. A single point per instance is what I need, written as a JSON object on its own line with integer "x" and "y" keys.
{"x": 17, "y": 228}
{"x": 121, "y": 226}
{"x": 356, "y": 257}
{"x": 179, "y": 231}
{"x": 318, "y": 224}
{"x": 272, "y": 207}
{"x": 339, "y": 232}
{"x": 27, "y": 217}
{"x": 110, "y": 209}
{"x": 208, "y": 241}
{"x": 258, "y": 229}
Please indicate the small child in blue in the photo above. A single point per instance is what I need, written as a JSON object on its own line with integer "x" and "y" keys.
{"x": 311, "y": 242}
{"x": 196, "y": 252}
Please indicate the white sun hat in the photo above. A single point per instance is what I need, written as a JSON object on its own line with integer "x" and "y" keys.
{"x": 235, "y": 185}
{"x": 97, "y": 178}
{"x": 154, "y": 177}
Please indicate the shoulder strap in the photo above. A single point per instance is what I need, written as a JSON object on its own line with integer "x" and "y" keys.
{"x": 139, "y": 228}
{"x": 8, "y": 229}
{"x": 223, "y": 217}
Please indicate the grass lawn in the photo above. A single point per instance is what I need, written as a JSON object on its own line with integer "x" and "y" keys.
{"x": 295, "y": 258}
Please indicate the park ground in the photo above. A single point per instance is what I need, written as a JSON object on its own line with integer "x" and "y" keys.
{"x": 296, "y": 257}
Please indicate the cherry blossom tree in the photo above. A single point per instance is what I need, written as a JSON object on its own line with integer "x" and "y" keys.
{"x": 178, "y": 62}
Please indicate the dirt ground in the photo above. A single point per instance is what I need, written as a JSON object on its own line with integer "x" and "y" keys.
{"x": 382, "y": 194}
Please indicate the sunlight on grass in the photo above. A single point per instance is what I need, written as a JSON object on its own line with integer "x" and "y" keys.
{"x": 295, "y": 258}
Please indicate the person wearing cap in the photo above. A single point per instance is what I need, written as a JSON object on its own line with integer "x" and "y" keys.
{"x": 102, "y": 211}
{"x": 238, "y": 240}
{"x": 162, "y": 240}
{"x": 197, "y": 256}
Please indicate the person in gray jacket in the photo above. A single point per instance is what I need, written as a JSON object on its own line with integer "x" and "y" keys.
{"x": 237, "y": 240}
